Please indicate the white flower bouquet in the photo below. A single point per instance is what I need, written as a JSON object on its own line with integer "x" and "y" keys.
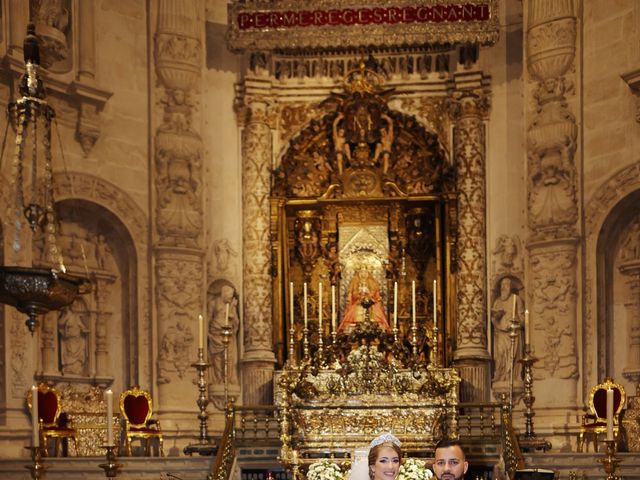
{"x": 324, "y": 470}
{"x": 414, "y": 469}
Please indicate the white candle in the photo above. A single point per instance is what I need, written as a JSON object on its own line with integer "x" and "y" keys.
{"x": 513, "y": 310}
{"x": 291, "y": 303}
{"x": 304, "y": 299}
{"x": 435, "y": 303}
{"x": 333, "y": 308}
{"x": 413, "y": 303}
{"x": 35, "y": 419}
{"x": 527, "y": 331}
{"x": 108, "y": 398}
{"x": 609, "y": 414}
{"x": 395, "y": 305}
{"x": 320, "y": 308}
{"x": 200, "y": 332}
{"x": 226, "y": 315}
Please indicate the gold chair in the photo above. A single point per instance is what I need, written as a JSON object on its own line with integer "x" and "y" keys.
{"x": 595, "y": 421}
{"x": 136, "y": 406}
{"x": 53, "y": 422}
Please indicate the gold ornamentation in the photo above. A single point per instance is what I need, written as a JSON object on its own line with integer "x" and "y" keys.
{"x": 362, "y": 149}
{"x": 248, "y": 31}
{"x": 368, "y": 388}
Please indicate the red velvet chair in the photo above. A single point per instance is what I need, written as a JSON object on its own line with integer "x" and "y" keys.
{"x": 136, "y": 406}
{"x": 53, "y": 422}
{"x": 595, "y": 421}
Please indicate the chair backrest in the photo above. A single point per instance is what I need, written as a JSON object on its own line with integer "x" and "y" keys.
{"x": 598, "y": 399}
{"x": 136, "y": 406}
{"x": 49, "y": 406}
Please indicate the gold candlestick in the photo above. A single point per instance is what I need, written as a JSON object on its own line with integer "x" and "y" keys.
{"x": 111, "y": 467}
{"x": 610, "y": 462}
{"x": 37, "y": 469}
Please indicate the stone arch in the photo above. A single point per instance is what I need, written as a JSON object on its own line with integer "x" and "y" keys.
{"x": 115, "y": 212}
{"x": 611, "y": 206}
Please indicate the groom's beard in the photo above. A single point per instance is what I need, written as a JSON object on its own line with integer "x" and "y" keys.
{"x": 449, "y": 476}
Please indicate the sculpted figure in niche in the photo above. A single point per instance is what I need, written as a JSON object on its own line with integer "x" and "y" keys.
{"x": 363, "y": 287}
{"x": 218, "y": 310}
{"x": 73, "y": 342}
{"x": 501, "y": 317}
{"x": 384, "y": 146}
{"x": 631, "y": 245}
{"x": 342, "y": 149}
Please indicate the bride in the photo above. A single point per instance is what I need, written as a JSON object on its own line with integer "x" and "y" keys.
{"x": 383, "y": 460}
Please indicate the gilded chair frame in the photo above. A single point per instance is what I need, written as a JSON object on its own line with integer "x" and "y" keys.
{"x": 594, "y": 425}
{"x": 52, "y": 429}
{"x": 143, "y": 430}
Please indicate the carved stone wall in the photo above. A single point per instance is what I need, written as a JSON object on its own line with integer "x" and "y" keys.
{"x": 611, "y": 311}
{"x": 552, "y": 211}
{"x": 178, "y": 216}
{"x": 125, "y": 217}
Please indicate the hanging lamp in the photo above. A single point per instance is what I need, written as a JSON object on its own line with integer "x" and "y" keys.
{"x": 35, "y": 291}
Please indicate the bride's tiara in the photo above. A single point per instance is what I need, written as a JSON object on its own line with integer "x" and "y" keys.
{"x": 385, "y": 438}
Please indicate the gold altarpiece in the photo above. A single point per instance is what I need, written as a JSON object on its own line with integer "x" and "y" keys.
{"x": 364, "y": 203}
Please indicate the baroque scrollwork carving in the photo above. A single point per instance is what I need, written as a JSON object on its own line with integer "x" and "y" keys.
{"x": 362, "y": 149}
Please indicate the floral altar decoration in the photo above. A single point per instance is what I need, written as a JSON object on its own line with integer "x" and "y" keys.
{"x": 414, "y": 469}
{"x": 324, "y": 470}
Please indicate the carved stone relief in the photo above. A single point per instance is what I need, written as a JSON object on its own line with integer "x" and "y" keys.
{"x": 553, "y": 293}
{"x": 223, "y": 254}
{"x": 178, "y": 286}
{"x": 75, "y": 340}
{"x": 507, "y": 255}
{"x": 179, "y": 187}
{"x": 52, "y": 19}
{"x": 18, "y": 362}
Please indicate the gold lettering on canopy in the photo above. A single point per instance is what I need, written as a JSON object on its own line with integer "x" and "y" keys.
{"x": 290, "y": 24}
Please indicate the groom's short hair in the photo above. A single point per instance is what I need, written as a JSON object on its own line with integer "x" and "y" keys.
{"x": 450, "y": 442}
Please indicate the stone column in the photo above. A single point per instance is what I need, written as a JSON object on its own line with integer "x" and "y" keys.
{"x": 552, "y": 207}
{"x": 471, "y": 355}
{"x": 87, "y": 42}
{"x": 258, "y": 361}
{"x": 178, "y": 204}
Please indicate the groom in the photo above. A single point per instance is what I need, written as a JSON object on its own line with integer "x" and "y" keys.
{"x": 449, "y": 463}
